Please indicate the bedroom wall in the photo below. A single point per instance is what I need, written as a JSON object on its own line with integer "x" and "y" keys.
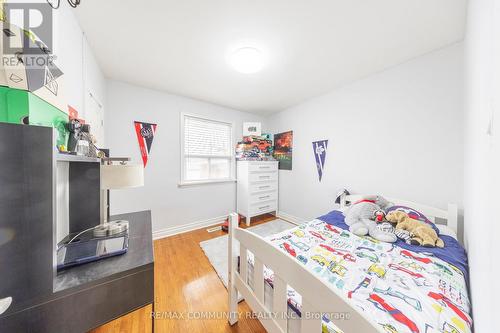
{"x": 398, "y": 132}
{"x": 482, "y": 158}
{"x": 75, "y": 58}
{"x": 174, "y": 208}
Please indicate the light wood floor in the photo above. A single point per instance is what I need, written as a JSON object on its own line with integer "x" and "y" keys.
{"x": 186, "y": 285}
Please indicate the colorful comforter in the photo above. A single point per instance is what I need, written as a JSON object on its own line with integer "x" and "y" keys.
{"x": 401, "y": 290}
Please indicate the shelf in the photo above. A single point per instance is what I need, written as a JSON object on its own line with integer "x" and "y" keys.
{"x": 76, "y": 158}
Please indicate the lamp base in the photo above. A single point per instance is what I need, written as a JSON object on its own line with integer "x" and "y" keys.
{"x": 111, "y": 228}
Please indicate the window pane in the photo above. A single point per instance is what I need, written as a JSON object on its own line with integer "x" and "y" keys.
{"x": 197, "y": 168}
{"x": 206, "y": 137}
{"x": 220, "y": 168}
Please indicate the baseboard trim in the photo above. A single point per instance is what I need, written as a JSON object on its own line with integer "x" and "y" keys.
{"x": 179, "y": 229}
{"x": 291, "y": 218}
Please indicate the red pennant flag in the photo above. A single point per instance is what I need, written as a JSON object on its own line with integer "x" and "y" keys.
{"x": 145, "y": 134}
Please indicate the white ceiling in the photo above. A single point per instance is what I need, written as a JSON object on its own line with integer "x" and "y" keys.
{"x": 180, "y": 46}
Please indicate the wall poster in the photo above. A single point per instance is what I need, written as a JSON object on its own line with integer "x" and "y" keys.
{"x": 283, "y": 148}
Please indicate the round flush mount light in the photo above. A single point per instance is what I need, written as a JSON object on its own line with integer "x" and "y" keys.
{"x": 247, "y": 59}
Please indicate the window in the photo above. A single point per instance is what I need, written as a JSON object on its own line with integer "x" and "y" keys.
{"x": 207, "y": 150}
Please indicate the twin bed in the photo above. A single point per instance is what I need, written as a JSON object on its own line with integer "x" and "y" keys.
{"x": 319, "y": 277}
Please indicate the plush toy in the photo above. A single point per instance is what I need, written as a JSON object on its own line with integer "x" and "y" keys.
{"x": 361, "y": 215}
{"x": 379, "y": 216}
{"x": 404, "y": 235}
{"x": 421, "y": 233}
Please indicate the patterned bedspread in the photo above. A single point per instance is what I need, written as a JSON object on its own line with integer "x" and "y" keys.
{"x": 401, "y": 290}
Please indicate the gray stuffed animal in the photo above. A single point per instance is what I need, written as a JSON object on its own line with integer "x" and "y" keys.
{"x": 360, "y": 218}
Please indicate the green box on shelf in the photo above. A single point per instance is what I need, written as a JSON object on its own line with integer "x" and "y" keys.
{"x": 20, "y": 106}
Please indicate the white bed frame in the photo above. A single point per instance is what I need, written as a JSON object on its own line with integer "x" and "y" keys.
{"x": 317, "y": 297}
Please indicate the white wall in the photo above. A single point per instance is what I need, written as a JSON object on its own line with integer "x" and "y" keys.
{"x": 171, "y": 206}
{"x": 75, "y": 58}
{"x": 482, "y": 159}
{"x": 398, "y": 133}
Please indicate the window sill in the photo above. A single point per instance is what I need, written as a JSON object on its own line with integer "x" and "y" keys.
{"x": 205, "y": 182}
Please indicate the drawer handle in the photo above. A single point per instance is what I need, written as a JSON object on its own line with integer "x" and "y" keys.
{"x": 264, "y": 207}
{"x": 262, "y": 187}
{"x": 264, "y": 197}
{"x": 264, "y": 167}
{"x": 262, "y": 177}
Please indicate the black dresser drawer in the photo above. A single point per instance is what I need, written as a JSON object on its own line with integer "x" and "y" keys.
{"x": 86, "y": 309}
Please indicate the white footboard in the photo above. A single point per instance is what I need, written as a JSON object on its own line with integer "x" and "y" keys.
{"x": 317, "y": 297}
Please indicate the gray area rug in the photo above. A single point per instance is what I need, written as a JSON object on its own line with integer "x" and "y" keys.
{"x": 216, "y": 249}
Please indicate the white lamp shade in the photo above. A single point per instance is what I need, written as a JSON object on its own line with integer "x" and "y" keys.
{"x": 115, "y": 177}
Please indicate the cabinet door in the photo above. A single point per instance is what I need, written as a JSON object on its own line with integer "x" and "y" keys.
{"x": 26, "y": 216}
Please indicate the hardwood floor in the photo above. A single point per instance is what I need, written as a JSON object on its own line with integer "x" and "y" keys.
{"x": 186, "y": 288}
{"x": 137, "y": 321}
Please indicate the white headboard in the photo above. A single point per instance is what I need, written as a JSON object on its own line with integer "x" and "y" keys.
{"x": 449, "y": 216}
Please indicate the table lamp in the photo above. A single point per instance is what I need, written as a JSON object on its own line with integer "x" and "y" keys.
{"x": 117, "y": 173}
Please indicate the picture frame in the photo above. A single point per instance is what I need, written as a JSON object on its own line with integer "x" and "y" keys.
{"x": 252, "y": 128}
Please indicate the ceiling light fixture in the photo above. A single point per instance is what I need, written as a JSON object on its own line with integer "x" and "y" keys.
{"x": 247, "y": 60}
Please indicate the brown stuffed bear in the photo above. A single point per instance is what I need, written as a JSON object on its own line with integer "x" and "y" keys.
{"x": 422, "y": 234}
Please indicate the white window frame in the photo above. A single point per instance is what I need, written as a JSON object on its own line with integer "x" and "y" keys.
{"x": 183, "y": 182}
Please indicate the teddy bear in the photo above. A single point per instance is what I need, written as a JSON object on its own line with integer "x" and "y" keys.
{"x": 421, "y": 233}
{"x": 361, "y": 218}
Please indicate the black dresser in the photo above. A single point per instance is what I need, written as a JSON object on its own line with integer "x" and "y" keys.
{"x": 78, "y": 299}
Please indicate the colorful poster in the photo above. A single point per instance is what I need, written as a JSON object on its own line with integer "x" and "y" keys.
{"x": 320, "y": 148}
{"x": 283, "y": 148}
{"x": 145, "y": 134}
